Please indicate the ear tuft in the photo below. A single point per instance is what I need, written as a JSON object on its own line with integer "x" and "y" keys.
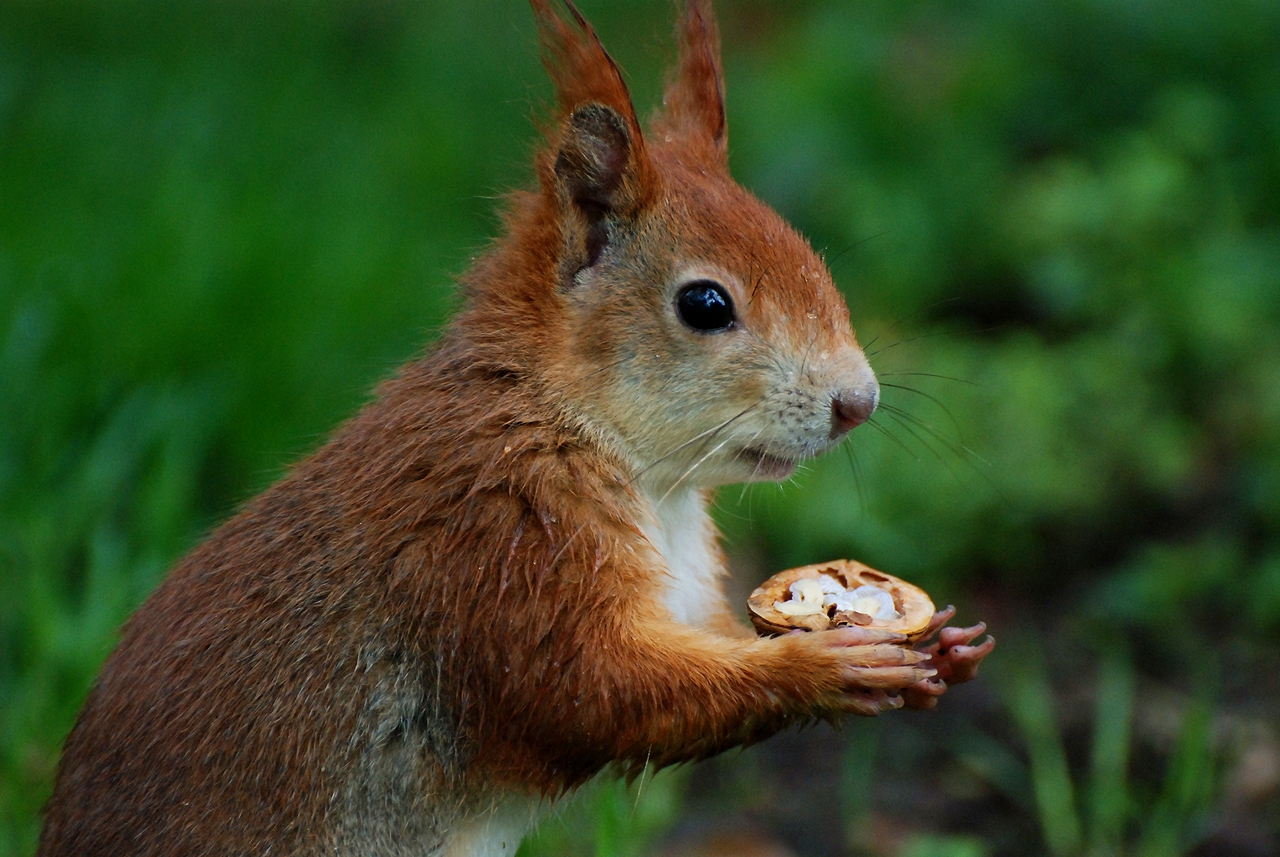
{"x": 693, "y": 105}
{"x": 579, "y": 66}
{"x": 601, "y": 164}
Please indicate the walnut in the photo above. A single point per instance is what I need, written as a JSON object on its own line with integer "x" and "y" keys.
{"x": 841, "y": 592}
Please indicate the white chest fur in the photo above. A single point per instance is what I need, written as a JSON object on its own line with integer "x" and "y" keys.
{"x": 682, "y": 532}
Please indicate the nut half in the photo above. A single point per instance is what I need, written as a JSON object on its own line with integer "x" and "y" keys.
{"x": 770, "y": 614}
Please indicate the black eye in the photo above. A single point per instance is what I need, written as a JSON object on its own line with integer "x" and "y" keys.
{"x": 705, "y": 305}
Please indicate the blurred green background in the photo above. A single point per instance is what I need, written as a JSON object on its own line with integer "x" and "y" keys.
{"x": 1058, "y": 229}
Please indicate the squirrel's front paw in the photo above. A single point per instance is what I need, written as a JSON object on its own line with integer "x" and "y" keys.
{"x": 875, "y": 667}
{"x": 952, "y": 656}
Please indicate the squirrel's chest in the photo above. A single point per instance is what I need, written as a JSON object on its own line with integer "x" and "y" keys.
{"x": 683, "y": 534}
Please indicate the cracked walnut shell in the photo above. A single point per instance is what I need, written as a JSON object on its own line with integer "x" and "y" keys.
{"x": 795, "y": 598}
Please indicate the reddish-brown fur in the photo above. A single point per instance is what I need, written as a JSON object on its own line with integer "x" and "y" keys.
{"x": 454, "y": 600}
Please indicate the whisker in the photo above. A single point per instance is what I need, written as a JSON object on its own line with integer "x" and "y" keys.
{"x": 927, "y": 375}
{"x": 957, "y": 448}
{"x": 924, "y": 432}
{"x": 898, "y": 418}
{"x": 755, "y": 471}
{"x": 692, "y": 468}
{"x": 854, "y": 470}
{"x": 888, "y": 434}
{"x": 831, "y": 264}
{"x": 922, "y": 336}
{"x": 933, "y": 399}
{"x": 722, "y": 505}
{"x": 745, "y": 485}
{"x": 640, "y": 786}
{"x": 921, "y": 311}
{"x": 709, "y": 434}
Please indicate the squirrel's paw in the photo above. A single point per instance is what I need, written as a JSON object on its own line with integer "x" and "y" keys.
{"x": 951, "y": 656}
{"x": 876, "y": 668}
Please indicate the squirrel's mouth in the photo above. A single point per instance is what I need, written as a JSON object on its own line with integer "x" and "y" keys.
{"x": 765, "y": 466}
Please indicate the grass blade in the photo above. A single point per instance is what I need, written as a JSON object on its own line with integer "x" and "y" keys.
{"x": 1188, "y": 788}
{"x": 1109, "y": 798}
{"x": 1030, "y": 699}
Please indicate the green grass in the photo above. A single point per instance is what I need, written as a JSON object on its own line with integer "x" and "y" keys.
{"x": 1109, "y": 809}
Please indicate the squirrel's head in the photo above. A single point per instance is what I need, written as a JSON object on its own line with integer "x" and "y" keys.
{"x": 680, "y": 319}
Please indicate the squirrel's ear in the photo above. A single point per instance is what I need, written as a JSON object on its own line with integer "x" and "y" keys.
{"x": 693, "y": 105}
{"x": 601, "y": 159}
{"x": 595, "y": 160}
{"x": 596, "y": 178}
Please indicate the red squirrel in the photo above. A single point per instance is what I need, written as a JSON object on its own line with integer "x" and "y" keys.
{"x": 501, "y": 577}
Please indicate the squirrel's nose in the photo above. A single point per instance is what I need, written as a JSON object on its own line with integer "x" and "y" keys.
{"x": 852, "y": 407}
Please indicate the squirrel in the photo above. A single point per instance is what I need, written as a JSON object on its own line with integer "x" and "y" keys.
{"x": 501, "y": 577}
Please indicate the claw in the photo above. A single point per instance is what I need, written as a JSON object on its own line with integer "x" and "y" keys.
{"x": 870, "y": 702}
{"x": 951, "y": 655}
{"x": 882, "y": 656}
{"x": 924, "y": 695}
{"x": 887, "y": 678}
{"x": 949, "y": 637}
{"x": 960, "y": 663}
{"x": 940, "y": 618}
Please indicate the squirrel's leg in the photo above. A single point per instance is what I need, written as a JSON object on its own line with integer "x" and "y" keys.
{"x": 664, "y": 692}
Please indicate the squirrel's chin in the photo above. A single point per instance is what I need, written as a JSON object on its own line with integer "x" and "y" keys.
{"x": 765, "y": 467}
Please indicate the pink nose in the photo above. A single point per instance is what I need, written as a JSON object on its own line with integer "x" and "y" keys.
{"x": 853, "y": 407}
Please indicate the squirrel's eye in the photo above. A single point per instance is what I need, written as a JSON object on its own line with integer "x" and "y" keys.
{"x": 705, "y": 305}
